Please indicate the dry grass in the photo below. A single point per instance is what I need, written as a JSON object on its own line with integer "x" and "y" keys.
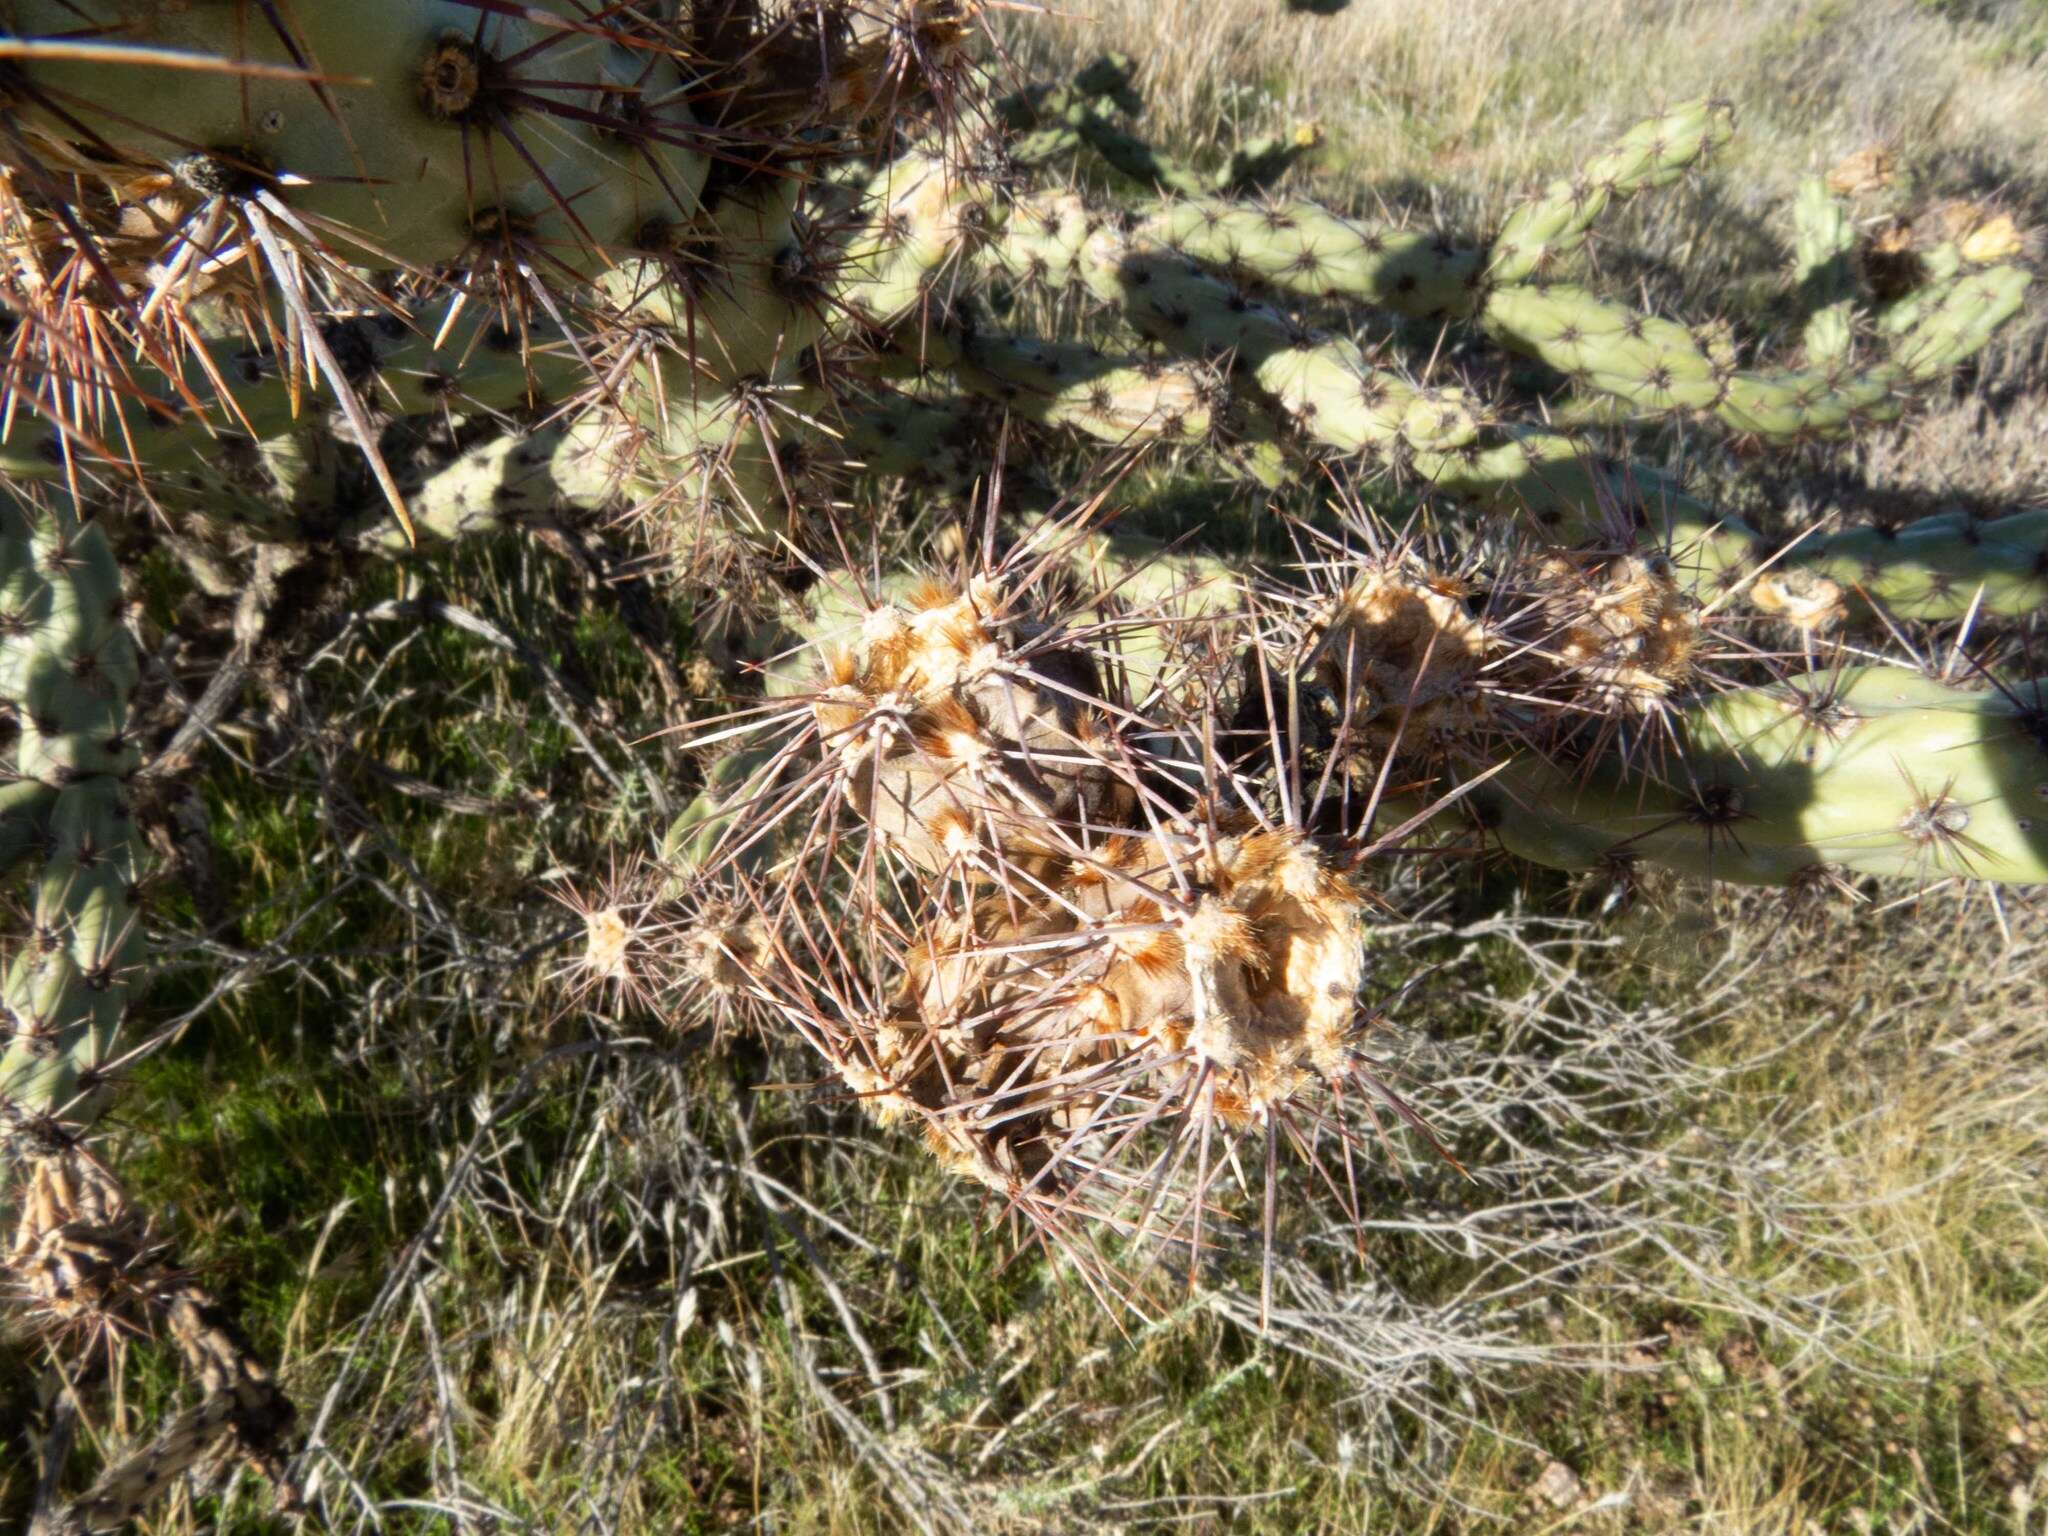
{"x": 1480, "y": 97}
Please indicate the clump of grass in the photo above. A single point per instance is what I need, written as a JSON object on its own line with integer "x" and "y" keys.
{"x": 1479, "y": 97}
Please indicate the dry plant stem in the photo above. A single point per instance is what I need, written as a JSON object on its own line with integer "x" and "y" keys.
{"x": 89, "y": 1262}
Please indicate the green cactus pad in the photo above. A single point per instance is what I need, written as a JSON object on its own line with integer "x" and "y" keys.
{"x": 1542, "y": 231}
{"x": 1871, "y": 770}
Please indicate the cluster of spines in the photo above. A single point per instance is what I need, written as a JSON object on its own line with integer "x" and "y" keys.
{"x": 1108, "y": 936}
{"x": 1058, "y": 924}
{"x": 1070, "y": 910}
{"x": 1427, "y": 663}
{"x": 616, "y": 197}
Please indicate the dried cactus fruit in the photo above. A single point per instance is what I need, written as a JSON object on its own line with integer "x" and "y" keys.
{"x": 1253, "y": 967}
{"x": 1870, "y": 169}
{"x": 1402, "y": 653}
{"x": 964, "y": 736}
{"x": 1417, "y": 662}
{"x": 1994, "y": 238}
{"x": 1617, "y": 632}
{"x": 1231, "y": 957}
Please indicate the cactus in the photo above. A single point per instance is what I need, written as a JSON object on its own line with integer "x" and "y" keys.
{"x": 1104, "y": 820}
{"x": 243, "y": 248}
{"x": 67, "y": 671}
{"x": 734, "y": 296}
{"x": 1555, "y": 223}
{"x": 1824, "y": 241}
{"x": 1327, "y": 388}
{"x": 1869, "y": 770}
{"x": 86, "y": 1254}
{"x": 415, "y": 133}
{"x": 1934, "y": 568}
{"x": 523, "y": 142}
{"x": 1303, "y": 248}
{"x": 1101, "y": 913}
{"x": 396, "y": 360}
{"x": 1658, "y": 366}
{"x": 1654, "y": 366}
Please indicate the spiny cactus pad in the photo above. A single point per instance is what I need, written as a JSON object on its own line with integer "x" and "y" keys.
{"x": 1869, "y": 770}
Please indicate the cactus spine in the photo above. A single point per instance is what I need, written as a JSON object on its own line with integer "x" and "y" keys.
{"x": 434, "y": 130}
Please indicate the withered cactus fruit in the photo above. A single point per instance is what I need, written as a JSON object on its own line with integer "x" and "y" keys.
{"x": 960, "y": 735}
